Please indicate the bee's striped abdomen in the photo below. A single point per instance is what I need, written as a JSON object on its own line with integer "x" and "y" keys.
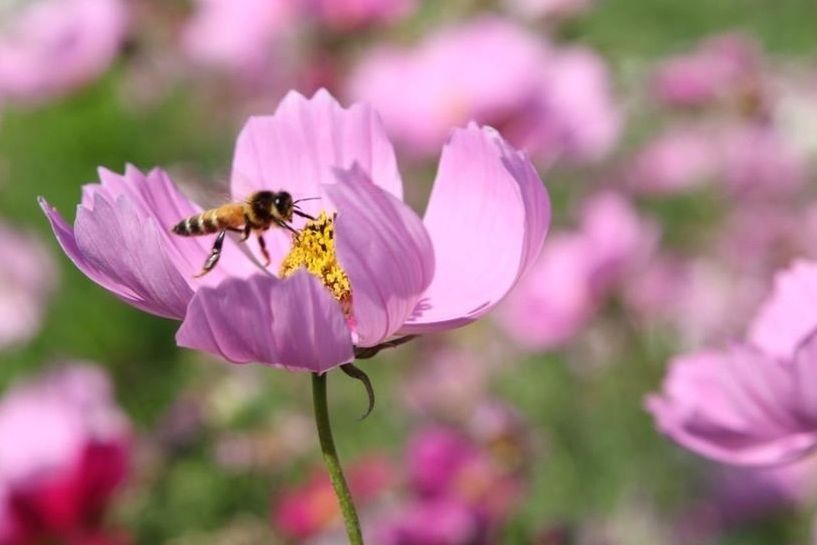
{"x": 201, "y": 224}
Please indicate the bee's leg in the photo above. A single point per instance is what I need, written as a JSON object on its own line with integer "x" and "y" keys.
{"x": 263, "y": 245}
{"x": 247, "y": 228}
{"x": 215, "y": 254}
{"x": 286, "y": 226}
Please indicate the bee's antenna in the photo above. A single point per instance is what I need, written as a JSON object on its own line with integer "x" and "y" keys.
{"x": 307, "y": 199}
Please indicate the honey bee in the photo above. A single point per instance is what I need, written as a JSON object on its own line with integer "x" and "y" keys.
{"x": 257, "y": 213}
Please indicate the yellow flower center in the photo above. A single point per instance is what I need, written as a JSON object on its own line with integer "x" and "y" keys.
{"x": 314, "y": 249}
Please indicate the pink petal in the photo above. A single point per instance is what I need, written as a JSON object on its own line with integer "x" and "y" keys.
{"x": 385, "y": 250}
{"x": 293, "y": 323}
{"x": 790, "y": 314}
{"x": 805, "y": 379}
{"x": 127, "y": 246}
{"x": 297, "y": 148}
{"x": 736, "y": 407}
{"x": 487, "y": 217}
{"x": 110, "y": 280}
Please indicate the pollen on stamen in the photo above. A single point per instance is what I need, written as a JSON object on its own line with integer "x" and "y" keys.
{"x": 314, "y": 249}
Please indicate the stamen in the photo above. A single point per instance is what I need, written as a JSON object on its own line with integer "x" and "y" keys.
{"x": 314, "y": 249}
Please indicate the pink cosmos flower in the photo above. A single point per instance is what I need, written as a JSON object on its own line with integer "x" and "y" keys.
{"x": 549, "y": 101}
{"x": 27, "y": 278}
{"x": 576, "y": 272}
{"x": 444, "y": 463}
{"x": 741, "y": 406}
{"x": 64, "y": 448}
{"x": 236, "y": 34}
{"x": 675, "y": 161}
{"x": 720, "y": 67}
{"x": 350, "y": 15}
{"x": 388, "y": 272}
{"x": 51, "y": 47}
{"x": 759, "y": 162}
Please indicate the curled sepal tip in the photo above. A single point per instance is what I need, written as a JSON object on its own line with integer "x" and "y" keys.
{"x": 358, "y": 374}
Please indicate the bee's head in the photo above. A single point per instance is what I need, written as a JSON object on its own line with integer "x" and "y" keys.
{"x": 275, "y": 205}
{"x": 282, "y": 205}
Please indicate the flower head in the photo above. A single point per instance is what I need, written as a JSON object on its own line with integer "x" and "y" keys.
{"x": 63, "y": 451}
{"x": 366, "y": 270}
{"x": 549, "y": 101}
{"x": 54, "y": 46}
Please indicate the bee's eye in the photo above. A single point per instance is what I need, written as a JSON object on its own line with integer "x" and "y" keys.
{"x": 282, "y": 201}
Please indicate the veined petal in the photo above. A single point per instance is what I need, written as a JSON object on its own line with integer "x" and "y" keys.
{"x": 487, "y": 217}
{"x": 293, "y": 323}
{"x": 737, "y": 407}
{"x": 128, "y": 247}
{"x": 297, "y": 148}
{"x": 385, "y": 250}
{"x": 151, "y": 283}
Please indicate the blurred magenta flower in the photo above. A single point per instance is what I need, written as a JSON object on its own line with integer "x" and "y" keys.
{"x": 760, "y": 163}
{"x": 576, "y": 273}
{"x": 675, "y": 161}
{"x": 312, "y": 509}
{"x": 549, "y": 101}
{"x": 64, "y": 450}
{"x": 440, "y": 521}
{"x": 351, "y": 15}
{"x": 27, "y": 279}
{"x": 238, "y": 35}
{"x": 51, "y": 47}
{"x": 380, "y": 271}
{"x": 442, "y": 462}
{"x": 722, "y": 67}
{"x": 741, "y": 406}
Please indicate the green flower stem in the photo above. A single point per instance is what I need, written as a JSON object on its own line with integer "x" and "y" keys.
{"x": 330, "y": 457}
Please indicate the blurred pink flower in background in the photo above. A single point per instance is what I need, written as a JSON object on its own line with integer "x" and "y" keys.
{"x": 239, "y": 35}
{"x": 27, "y": 279}
{"x": 440, "y": 521}
{"x": 702, "y": 299}
{"x": 576, "y": 273}
{"x": 740, "y": 405}
{"x": 442, "y": 462}
{"x": 51, "y": 47}
{"x": 449, "y": 382}
{"x": 545, "y": 100}
{"x": 720, "y": 67}
{"x": 550, "y": 9}
{"x": 675, "y": 161}
{"x": 312, "y": 509}
{"x": 759, "y": 162}
{"x": 350, "y": 15}
{"x": 313, "y": 147}
{"x": 64, "y": 450}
